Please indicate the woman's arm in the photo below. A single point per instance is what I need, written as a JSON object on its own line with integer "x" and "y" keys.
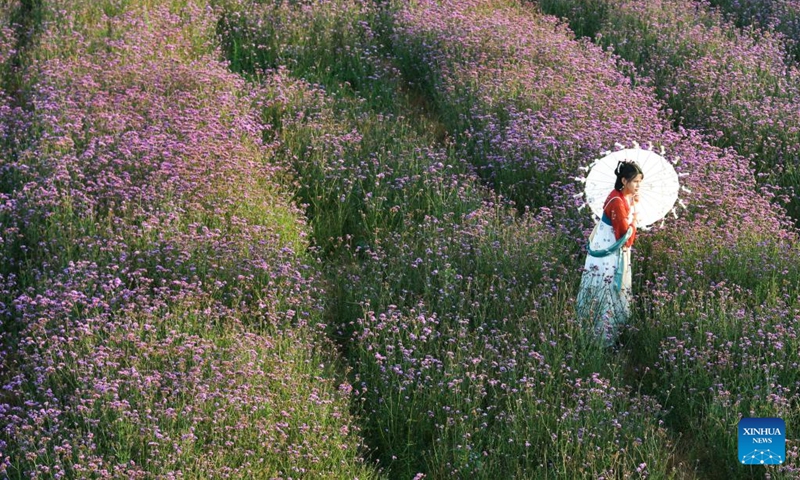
{"x": 617, "y": 210}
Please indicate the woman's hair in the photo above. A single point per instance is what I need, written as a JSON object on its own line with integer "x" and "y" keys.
{"x": 627, "y": 169}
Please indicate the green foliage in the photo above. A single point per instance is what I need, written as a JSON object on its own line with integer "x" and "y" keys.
{"x": 453, "y": 312}
{"x": 334, "y": 43}
{"x": 173, "y": 333}
{"x": 585, "y": 18}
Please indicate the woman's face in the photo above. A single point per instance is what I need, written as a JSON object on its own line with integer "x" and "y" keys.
{"x": 631, "y": 187}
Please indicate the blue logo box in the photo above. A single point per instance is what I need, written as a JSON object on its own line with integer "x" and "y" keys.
{"x": 762, "y": 441}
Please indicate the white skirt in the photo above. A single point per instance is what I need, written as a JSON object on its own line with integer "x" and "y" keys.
{"x": 601, "y": 304}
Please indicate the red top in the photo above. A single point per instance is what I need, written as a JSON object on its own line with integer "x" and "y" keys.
{"x": 618, "y": 210}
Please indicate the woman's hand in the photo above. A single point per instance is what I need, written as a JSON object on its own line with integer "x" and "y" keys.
{"x": 634, "y": 203}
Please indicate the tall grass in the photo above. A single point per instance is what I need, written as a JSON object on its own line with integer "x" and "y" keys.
{"x": 167, "y": 300}
{"x": 736, "y": 86}
{"x": 725, "y": 361}
{"x": 525, "y": 103}
{"x": 442, "y": 397}
{"x": 164, "y": 313}
{"x": 781, "y": 16}
{"x": 472, "y": 364}
{"x": 682, "y": 329}
{"x": 337, "y": 44}
{"x": 361, "y": 173}
{"x": 8, "y": 33}
{"x": 445, "y": 305}
{"x": 472, "y": 72}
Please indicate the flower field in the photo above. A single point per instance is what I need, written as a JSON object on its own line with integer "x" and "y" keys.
{"x": 341, "y": 239}
{"x": 782, "y": 16}
{"x": 737, "y": 87}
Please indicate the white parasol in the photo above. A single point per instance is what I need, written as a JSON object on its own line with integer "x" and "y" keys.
{"x": 658, "y": 191}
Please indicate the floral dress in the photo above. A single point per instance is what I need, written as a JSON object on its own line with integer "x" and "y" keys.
{"x": 604, "y": 296}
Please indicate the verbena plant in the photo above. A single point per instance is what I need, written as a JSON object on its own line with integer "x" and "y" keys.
{"x": 736, "y": 86}
{"x": 164, "y": 308}
{"x": 425, "y": 287}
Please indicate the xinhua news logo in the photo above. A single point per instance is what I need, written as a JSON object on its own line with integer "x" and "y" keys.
{"x": 762, "y": 441}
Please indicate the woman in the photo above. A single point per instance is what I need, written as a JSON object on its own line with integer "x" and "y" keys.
{"x": 604, "y": 296}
